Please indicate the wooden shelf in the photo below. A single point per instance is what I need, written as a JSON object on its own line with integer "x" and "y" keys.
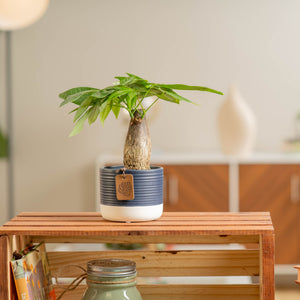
{"x": 254, "y": 229}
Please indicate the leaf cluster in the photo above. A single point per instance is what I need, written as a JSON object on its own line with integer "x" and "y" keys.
{"x": 128, "y": 93}
{"x": 3, "y": 145}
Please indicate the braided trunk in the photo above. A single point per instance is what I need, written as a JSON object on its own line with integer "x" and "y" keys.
{"x": 137, "y": 149}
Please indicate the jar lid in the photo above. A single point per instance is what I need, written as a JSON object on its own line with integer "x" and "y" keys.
{"x": 111, "y": 267}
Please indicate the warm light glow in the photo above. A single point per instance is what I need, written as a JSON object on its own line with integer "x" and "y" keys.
{"x": 16, "y": 14}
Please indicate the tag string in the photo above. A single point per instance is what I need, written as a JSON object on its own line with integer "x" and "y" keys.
{"x": 76, "y": 282}
{"x": 73, "y": 285}
{"x": 123, "y": 172}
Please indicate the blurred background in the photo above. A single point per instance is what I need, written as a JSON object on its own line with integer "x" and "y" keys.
{"x": 215, "y": 43}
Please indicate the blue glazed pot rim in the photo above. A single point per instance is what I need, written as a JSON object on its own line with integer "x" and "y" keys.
{"x": 118, "y": 167}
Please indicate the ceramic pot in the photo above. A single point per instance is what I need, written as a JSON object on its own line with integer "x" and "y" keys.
{"x": 148, "y": 195}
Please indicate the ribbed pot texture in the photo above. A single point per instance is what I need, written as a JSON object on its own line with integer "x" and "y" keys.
{"x": 148, "y": 186}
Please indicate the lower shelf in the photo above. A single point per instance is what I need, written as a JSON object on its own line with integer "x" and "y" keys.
{"x": 182, "y": 272}
{"x": 190, "y": 292}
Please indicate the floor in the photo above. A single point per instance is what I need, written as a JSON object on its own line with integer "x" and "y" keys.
{"x": 285, "y": 286}
{"x": 287, "y": 294}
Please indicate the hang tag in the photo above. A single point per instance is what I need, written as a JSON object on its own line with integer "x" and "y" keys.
{"x": 124, "y": 187}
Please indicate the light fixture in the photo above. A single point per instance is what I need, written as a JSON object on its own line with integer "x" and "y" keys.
{"x": 16, "y": 14}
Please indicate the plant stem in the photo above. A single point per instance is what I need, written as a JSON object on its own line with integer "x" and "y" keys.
{"x": 137, "y": 106}
{"x": 151, "y": 104}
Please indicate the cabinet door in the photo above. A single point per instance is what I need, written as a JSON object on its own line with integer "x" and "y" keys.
{"x": 275, "y": 188}
{"x": 196, "y": 188}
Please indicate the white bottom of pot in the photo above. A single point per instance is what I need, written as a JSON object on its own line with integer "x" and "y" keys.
{"x": 131, "y": 213}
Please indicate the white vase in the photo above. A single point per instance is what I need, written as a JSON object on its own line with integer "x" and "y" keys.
{"x": 236, "y": 125}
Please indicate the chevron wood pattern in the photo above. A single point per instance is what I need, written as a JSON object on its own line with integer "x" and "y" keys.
{"x": 196, "y": 187}
{"x": 267, "y": 187}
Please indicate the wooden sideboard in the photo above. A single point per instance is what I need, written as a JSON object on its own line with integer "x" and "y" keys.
{"x": 275, "y": 188}
{"x": 210, "y": 182}
{"x": 196, "y": 187}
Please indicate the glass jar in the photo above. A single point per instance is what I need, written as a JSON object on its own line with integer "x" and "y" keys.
{"x": 111, "y": 279}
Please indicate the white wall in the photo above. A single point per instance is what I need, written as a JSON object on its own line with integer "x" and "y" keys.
{"x": 87, "y": 42}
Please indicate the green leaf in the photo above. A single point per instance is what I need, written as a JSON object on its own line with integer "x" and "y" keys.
{"x": 117, "y": 104}
{"x": 117, "y": 94}
{"x": 121, "y": 78}
{"x": 75, "y": 109}
{"x": 178, "y": 97}
{"x": 105, "y": 110}
{"x": 86, "y": 102}
{"x": 116, "y": 110}
{"x": 168, "y": 98}
{"x": 139, "y": 88}
{"x": 162, "y": 95}
{"x": 73, "y": 91}
{"x": 107, "y": 104}
{"x": 79, "y": 125}
{"x": 126, "y": 80}
{"x": 80, "y": 111}
{"x": 130, "y": 99}
{"x": 138, "y": 82}
{"x": 78, "y": 98}
{"x": 103, "y": 93}
{"x": 93, "y": 114}
{"x": 189, "y": 88}
{"x": 137, "y": 77}
{"x": 124, "y": 95}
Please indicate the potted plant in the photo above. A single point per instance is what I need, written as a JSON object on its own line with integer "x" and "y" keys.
{"x": 134, "y": 191}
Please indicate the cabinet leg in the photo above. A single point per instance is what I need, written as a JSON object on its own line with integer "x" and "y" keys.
{"x": 267, "y": 260}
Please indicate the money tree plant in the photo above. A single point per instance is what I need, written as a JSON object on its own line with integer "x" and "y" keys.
{"x": 128, "y": 93}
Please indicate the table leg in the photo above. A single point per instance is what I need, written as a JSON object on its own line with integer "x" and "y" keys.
{"x": 267, "y": 260}
{"x": 7, "y": 287}
{"x": 4, "y": 268}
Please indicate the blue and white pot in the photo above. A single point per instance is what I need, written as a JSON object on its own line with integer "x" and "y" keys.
{"x": 147, "y": 204}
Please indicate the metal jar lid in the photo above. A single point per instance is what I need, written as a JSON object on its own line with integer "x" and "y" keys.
{"x": 111, "y": 268}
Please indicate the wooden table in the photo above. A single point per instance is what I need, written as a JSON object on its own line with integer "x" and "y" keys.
{"x": 252, "y": 230}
